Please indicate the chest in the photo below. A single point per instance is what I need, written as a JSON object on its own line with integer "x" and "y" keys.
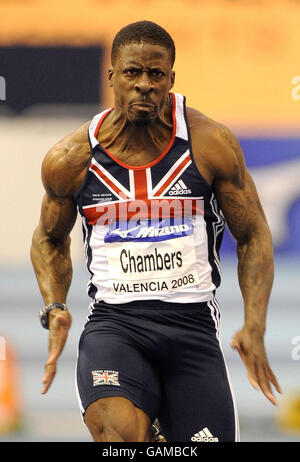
{"x": 172, "y": 177}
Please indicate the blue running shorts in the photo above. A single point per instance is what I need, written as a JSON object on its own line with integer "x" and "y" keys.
{"x": 167, "y": 360}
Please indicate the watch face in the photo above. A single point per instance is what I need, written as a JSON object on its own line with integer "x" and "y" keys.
{"x": 44, "y": 318}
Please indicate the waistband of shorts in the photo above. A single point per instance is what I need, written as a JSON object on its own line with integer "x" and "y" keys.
{"x": 158, "y": 305}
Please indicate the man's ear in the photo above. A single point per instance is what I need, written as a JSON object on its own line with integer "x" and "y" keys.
{"x": 172, "y": 79}
{"x": 110, "y": 74}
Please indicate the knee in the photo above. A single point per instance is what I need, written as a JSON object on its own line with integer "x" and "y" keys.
{"x": 107, "y": 423}
{"x": 97, "y": 430}
{"x": 100, "y": 425}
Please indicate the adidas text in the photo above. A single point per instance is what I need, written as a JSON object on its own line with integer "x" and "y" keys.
{"x": 205, "y": 439}
{"x": 179, "y": 192}
{"x": 204, "y": 436}
{"x": 179, "y": 188}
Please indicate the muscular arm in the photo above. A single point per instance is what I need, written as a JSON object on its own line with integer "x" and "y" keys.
{"x": 63, "y": 170}
{"x": 239, "y": 201}
{"x": 50, "y": 250}
{"x": 50, "y": 255}
{"x": 219, "y": 158}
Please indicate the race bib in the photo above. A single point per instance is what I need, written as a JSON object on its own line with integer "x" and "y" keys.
{"x": 147, "y": 258}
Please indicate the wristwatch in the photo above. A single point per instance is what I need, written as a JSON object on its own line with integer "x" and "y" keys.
{"x": 44, "y": 313}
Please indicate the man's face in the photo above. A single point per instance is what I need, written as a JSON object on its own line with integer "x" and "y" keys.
{"x": 141, "y": 78}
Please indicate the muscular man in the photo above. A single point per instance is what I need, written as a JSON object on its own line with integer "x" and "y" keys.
{"x": 154, "y": 182}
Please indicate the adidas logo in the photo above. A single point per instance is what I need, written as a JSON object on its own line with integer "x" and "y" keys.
{"x": 179, "y": 188}
{"x": 204, "y": 436}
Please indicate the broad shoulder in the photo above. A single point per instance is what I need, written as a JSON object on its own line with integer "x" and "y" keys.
{"x": 64, "y": 164}
{"x": 214, "y": 144}
{"x": 203, "y": 126}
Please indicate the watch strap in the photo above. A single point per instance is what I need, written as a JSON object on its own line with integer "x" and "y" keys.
{"x": 44, "y": 313}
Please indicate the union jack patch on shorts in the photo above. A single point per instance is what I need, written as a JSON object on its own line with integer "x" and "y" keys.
{"x": 105, "y": 378}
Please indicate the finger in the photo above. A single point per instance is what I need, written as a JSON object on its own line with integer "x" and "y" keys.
{"x": 56, "y": 345}
{"x": 274, "y": 381}
{"x": 48, "y": 377}
{"x": 251, "y": 378}
{"x": 250, "y": 370}
{"x": 234, "y": 344}
{"x": 252, "y": 381}
{"x": 58, "y": 336}
{"x": 53, "y": 355}
{"x": 57, "y": 339}
{"x": 263, "y": 381}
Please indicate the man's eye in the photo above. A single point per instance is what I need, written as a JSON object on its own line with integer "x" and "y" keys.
{"x": 157, "y": 73}
{"x": 131, "y": 71}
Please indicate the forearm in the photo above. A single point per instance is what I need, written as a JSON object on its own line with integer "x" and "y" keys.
{"x": 52, "y": 265}
{"x": 256, "y": 273}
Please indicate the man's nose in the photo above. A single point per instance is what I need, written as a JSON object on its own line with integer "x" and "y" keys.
{"x": 143, "y": 83}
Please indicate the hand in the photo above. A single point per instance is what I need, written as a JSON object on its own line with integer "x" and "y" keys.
{"x": 59, "y": 325}
{"x": 250, "y": 346}
{"x": 155, "y": 434}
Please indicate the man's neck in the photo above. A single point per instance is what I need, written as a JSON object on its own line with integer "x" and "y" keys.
{"x": 136, "y": 144}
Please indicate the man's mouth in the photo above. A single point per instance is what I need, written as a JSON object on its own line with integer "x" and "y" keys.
{"x": 142, "y": 104}
{"x": 142, "y": 111}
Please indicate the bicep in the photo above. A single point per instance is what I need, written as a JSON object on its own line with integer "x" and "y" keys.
{"x": 59, "y": 210}
{"x": 241, "y": 206}
{"x": 235, "y": 190}
{"x": 58, "y": 216}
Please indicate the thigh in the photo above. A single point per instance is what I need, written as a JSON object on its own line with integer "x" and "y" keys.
{"x": 199, "y": 410}
{"x": 197, "y": 400}
{"x": 110, "y": 366}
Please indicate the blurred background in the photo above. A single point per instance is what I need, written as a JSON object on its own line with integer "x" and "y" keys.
{"x": 238, "y": 61}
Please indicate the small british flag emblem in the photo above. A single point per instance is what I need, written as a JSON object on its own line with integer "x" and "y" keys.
{"x": 105, "y": 378}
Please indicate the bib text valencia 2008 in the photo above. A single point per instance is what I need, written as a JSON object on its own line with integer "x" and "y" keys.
{"x": 153, "y": 286}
